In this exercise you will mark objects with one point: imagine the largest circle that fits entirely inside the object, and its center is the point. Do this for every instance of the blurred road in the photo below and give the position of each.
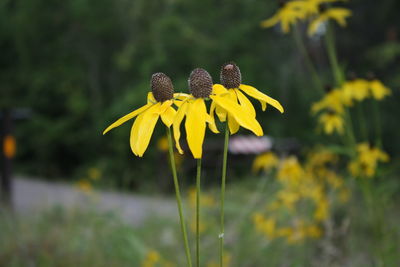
(32, 196)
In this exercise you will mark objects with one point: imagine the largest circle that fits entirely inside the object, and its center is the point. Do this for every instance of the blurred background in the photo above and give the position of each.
(70, 68)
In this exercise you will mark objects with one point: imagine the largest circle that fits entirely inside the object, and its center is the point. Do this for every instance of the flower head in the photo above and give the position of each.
(159, 104)
(332, 122)
(367, 159)
(337, 14)
(378, 90)
(231, 88)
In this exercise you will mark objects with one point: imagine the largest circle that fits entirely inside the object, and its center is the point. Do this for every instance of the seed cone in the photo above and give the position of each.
(200, 83)
(230, 75)
(161, 87)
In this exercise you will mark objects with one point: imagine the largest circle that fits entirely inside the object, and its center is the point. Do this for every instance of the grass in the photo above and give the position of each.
(360, 233)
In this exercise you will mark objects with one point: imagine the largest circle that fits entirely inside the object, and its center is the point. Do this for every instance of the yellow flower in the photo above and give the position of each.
(356, 89)
(378, 90)
(336, 13)
(290, 171)
(367, 160)
(159, 104)
(322, 210)
(194, 108)
(333, 100)
(152, 258)
(232, 89)
(94, 173)
(331, 122)
(288, 14)
(265, 162)
(84, 186)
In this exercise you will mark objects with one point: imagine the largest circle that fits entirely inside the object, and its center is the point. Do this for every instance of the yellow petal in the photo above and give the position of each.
(127, 117)
(221, 113)
(195, 126)
(233, 125)
(168, 116)
(142, 130)
(253, 92)
(219, 89)
(239, 114)
(150, 98)
(180, 114)
(245, 103)
(164, 106)
(211, 120)
(134, 133)
(271, 21)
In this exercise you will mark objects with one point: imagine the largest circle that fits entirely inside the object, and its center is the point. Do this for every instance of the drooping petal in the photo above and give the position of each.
(142, 130)
(195, 126)
(150, 98)
(164, 106)
(168, 116)
(233, 125)
(180, 114)
(253, 92)
(146, 129)
(211, 120)
(219, 89)
(240, 115)
(245, 103)
(127, 117)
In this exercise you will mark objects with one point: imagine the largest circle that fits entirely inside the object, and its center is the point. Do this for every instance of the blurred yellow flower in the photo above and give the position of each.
(162, 144)
(290, 171)
(356, 89)
(231, 88)
(288, 14)
(159, 104)
(151, 259)
(94, 174)
(264, 225)
(84, 186)
(322, 210)
(265, 162)
(333, 100)
(367, 159)
(337, 14)
(378, 90)
(331, 122)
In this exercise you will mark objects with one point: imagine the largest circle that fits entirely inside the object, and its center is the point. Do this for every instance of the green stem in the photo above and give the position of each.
(377, 122)
(223, 178)
(330, 47)
(178, 197)
(339, 79)
(314, 74)
(198, 191)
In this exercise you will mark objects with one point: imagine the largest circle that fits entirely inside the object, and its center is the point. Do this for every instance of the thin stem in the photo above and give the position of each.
(178, 197)
(198, 190)
(331, 49)
(362, 122)
(377, 122)
(223, 178)
(314, 74)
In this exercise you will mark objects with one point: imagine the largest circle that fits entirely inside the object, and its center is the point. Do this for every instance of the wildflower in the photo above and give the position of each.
(84, 186)
(337, 14)
(265, 162)
(264, 225)
(194, 108)
(9, 146)
(333, 100)
(322, 210)
(152, 258)
(159, 104)
(378, 90)
(94, 173)
(290, 171)
(367, 160)
(331, 122)
(288, 14)
(356, 89)
(232, 88)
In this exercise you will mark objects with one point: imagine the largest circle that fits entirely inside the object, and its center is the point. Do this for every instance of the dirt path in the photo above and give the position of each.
(31, 196)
